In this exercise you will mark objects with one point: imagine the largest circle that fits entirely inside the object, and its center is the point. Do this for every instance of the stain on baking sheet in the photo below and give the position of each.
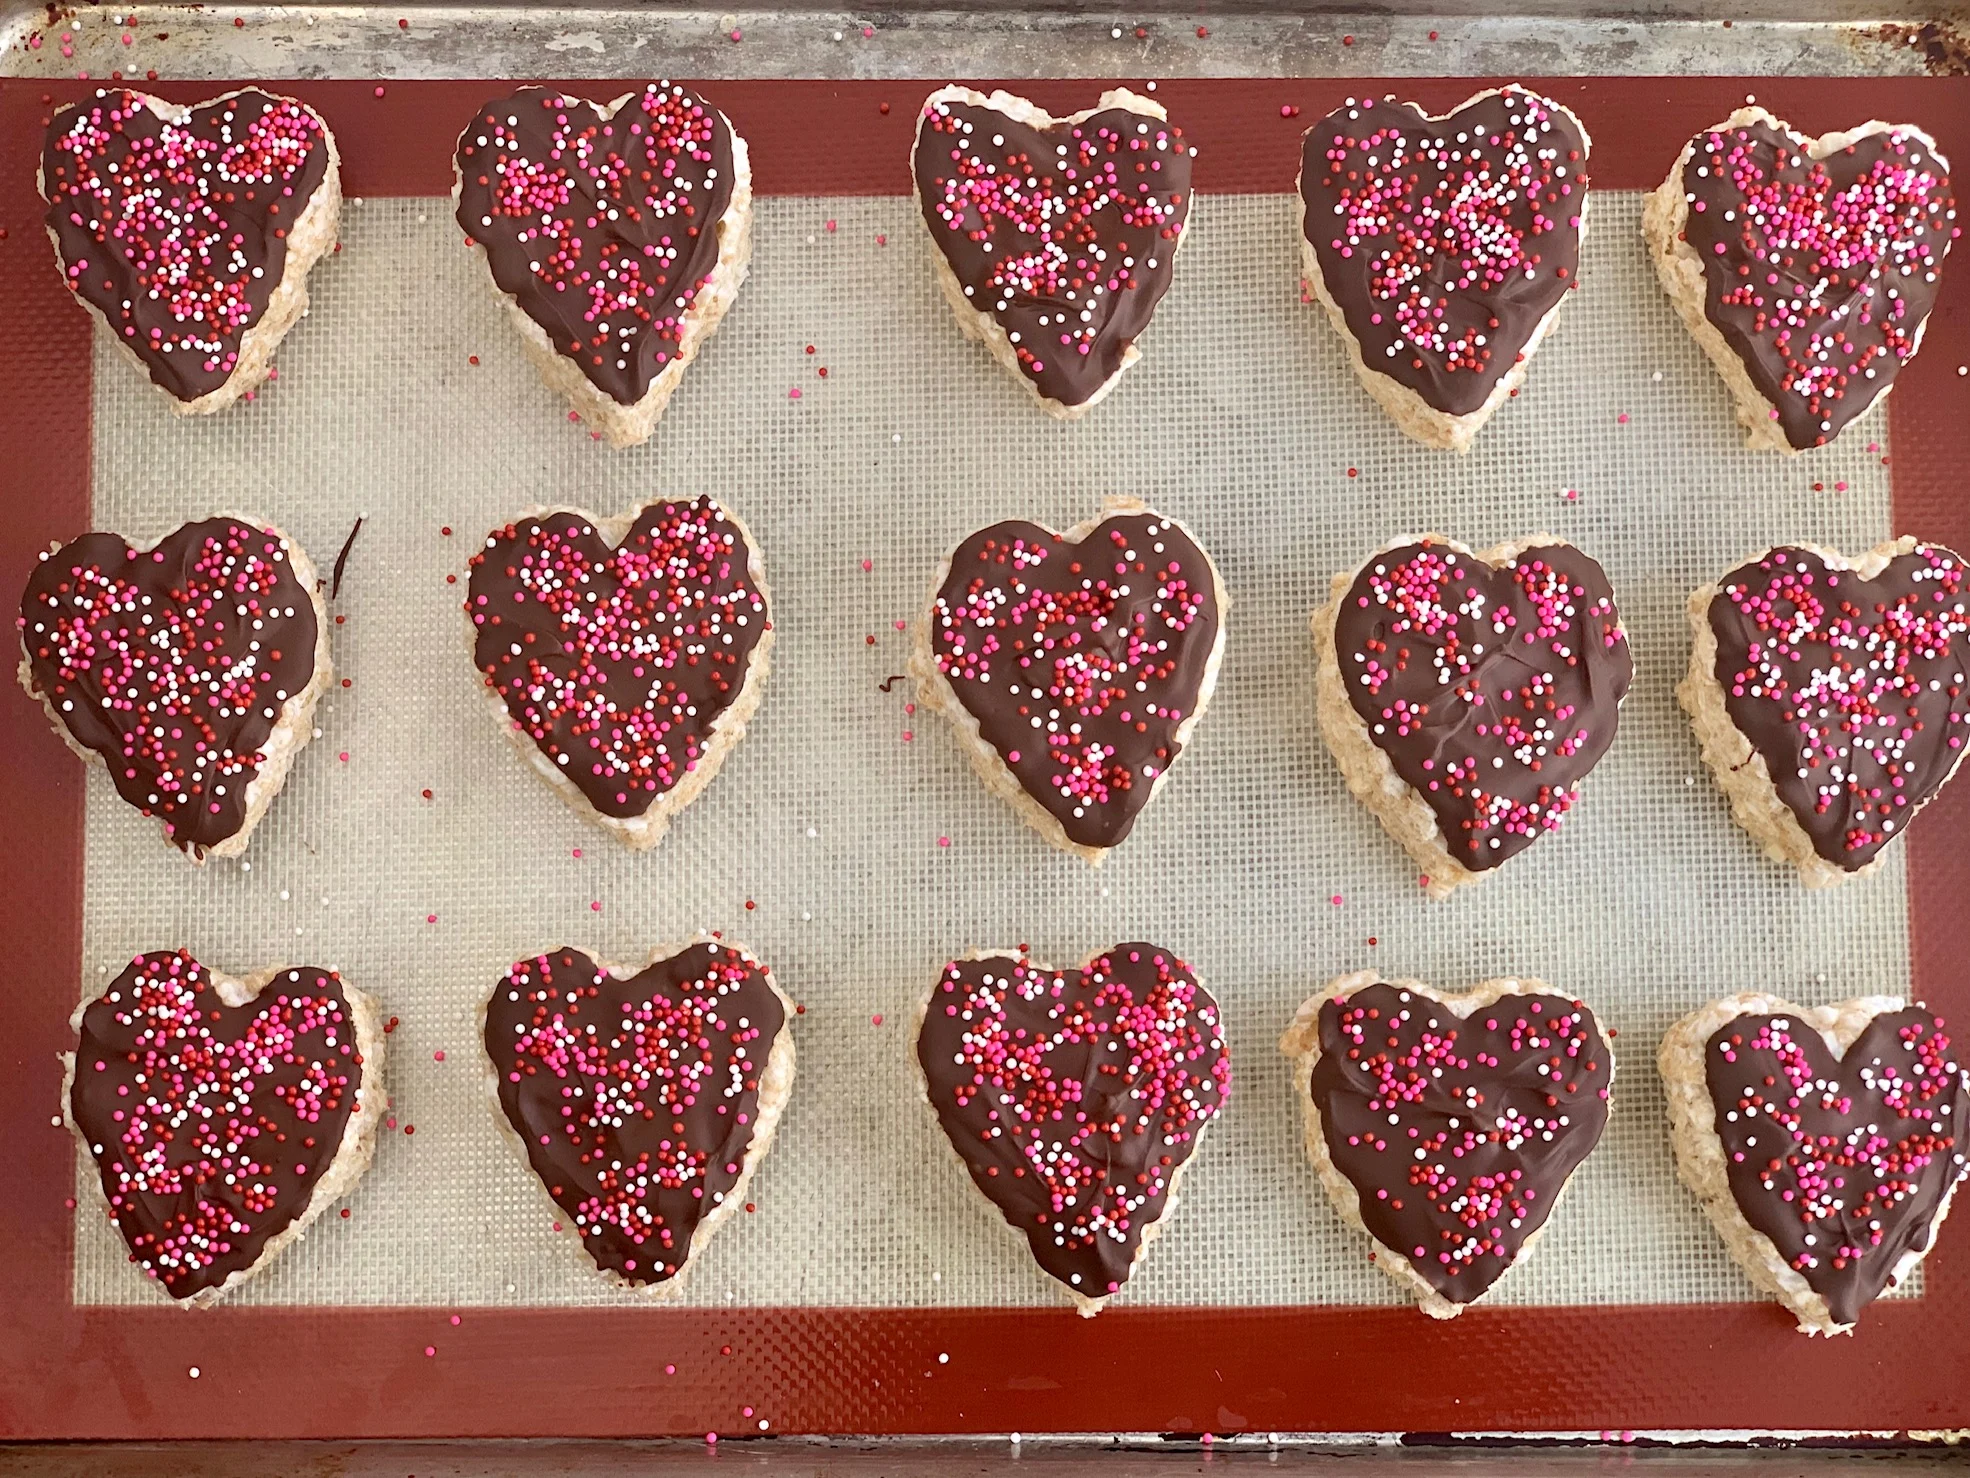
(1943, 44)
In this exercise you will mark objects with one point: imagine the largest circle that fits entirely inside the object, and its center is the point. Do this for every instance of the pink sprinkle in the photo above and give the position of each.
(1622, 419)
(831, 225)
(429, 1350)
(439, 1055)
(736, 33)
(881, 240)
(867, 32)
(899, 625)
(454, 1321)
(379, 92)
(577, 851)
(344, 756)
(596, 906)
(876, 1020)
(943, 841)
(430, 918)
(1285, 110)
(867, 565)
(712, 1437)
(794, 394)
(1336, 900)
(670, 1370)
(908, 735)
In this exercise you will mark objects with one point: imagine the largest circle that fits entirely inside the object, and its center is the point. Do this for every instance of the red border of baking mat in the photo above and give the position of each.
(274, 1372)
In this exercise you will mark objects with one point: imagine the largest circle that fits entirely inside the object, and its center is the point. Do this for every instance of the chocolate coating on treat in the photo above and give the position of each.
(1080, 661)
(173, 664)
(604, 229)
(1853, 690)
(212, 1124)
(1075, 1097)
(1818, 273)
(617, 662)
(177, 232)
(1842, 1162)
(1446, 242)
(637, 1099)
(1065, 236)
(1493, 691)
(1458, 1133)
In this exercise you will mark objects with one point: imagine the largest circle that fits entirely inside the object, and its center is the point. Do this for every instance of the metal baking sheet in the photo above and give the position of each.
(1273, 1361)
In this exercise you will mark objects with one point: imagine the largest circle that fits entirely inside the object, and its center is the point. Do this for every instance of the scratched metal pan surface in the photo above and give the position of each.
(1159, 39)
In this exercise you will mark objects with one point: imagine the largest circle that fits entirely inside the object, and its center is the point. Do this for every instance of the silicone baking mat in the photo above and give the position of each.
(868, 857)
(871, 858)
